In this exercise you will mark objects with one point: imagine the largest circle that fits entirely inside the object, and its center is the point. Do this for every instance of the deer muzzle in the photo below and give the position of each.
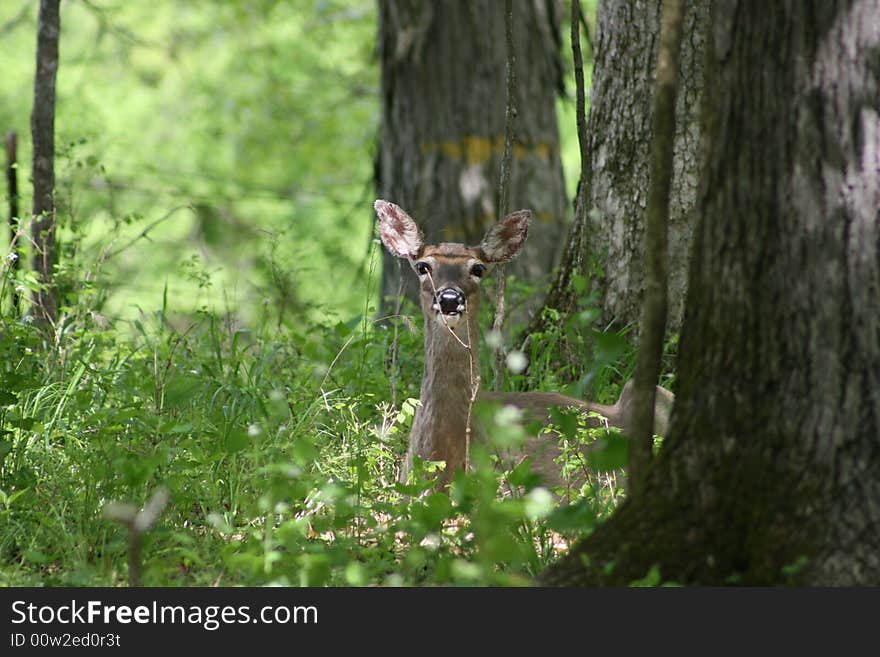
(449, 301)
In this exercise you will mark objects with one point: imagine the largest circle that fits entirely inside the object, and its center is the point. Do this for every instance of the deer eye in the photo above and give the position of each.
(423, 268)
(478, 270)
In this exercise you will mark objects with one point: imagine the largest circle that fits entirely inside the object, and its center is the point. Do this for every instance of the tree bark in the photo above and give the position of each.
(769, 473)
(652, 326)
(43, 170)
(510, 112)
(608, 232)
(443, 119)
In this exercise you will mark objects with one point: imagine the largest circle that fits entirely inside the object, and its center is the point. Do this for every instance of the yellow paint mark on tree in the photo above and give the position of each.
(542, 150)
(478, 150)
(451, 149)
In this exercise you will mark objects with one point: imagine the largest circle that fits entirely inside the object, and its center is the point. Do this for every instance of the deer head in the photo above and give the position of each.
(450, 273)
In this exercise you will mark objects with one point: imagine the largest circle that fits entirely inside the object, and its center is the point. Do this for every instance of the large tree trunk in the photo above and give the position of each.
(43, 171)
(443, 109)
(770, 472)
(610, 223)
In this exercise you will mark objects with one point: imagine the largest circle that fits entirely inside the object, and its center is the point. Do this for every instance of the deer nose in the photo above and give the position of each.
(449, 301)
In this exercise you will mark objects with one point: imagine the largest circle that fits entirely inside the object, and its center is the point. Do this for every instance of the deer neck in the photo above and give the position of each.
(451, 372)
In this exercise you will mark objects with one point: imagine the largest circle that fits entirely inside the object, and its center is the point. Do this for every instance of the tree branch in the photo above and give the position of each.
(144, 234)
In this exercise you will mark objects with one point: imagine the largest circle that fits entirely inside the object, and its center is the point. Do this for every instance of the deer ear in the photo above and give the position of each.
(398, 231)
(505, 239)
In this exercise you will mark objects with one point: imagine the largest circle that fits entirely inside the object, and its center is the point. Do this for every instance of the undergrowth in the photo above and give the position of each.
(279, 447)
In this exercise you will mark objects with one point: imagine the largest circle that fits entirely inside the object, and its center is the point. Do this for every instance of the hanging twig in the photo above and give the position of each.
(473, 369)
(577, 16)
(504, 189)
(653, 319)
(580, 93)
(17, 19)
(395, 346)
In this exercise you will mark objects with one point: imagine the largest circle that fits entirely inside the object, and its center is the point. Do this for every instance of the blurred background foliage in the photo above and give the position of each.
(255, 120)
(238, 134)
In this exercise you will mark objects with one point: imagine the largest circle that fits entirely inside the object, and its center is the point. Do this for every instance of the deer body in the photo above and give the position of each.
(449, 275)
(440, 430)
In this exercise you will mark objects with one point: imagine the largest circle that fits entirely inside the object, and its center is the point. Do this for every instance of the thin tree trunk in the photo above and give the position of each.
(43, 172)
(12, 188)
(769, 473)
(652, 327)
(504, 190)
(442, 135)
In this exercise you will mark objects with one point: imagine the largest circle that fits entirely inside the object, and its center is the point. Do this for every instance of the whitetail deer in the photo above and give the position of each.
(449, 276)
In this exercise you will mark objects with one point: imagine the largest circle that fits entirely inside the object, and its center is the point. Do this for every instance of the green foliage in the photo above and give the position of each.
(238, 132)
(280, 452)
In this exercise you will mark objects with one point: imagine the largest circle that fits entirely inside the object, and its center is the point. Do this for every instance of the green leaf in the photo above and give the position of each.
(7, 398)
(176, 427)
(356, 574)
(315, 569)
(7, 500)
(24, 477)
(609, 347)
(236, 440)
(436, 509)
(612, 453)
(36, 556)
(566, 420)
(13, 381)
(181, 390)
(522, 475)
(651, 578)
(304, 451)
(579, 516)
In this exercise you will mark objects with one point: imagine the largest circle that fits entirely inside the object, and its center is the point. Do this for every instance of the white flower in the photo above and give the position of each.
(493, 339)
(516, 361)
